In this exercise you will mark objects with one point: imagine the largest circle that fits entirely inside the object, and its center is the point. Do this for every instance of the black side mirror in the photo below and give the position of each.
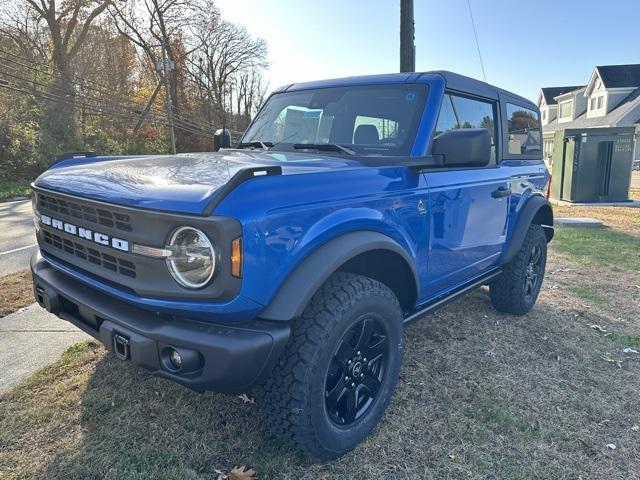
(221, 139)
(464, 147)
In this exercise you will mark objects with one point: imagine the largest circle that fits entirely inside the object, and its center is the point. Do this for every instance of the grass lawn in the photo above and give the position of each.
(601, 246)
(13, 189)
(481, 396)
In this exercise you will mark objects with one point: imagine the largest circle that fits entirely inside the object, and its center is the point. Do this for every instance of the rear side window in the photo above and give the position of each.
(523, 131)
(461, 112)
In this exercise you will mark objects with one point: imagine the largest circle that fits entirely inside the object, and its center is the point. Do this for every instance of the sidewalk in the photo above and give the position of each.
(30, 339)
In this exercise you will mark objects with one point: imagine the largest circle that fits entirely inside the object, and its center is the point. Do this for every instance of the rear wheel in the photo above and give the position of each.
(516, 290)
(338, 373)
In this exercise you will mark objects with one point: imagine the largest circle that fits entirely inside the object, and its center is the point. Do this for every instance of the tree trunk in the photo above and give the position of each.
(59, 118)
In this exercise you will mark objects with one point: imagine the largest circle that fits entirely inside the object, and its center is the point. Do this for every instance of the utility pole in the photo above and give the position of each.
(167, 88)
(407, 37)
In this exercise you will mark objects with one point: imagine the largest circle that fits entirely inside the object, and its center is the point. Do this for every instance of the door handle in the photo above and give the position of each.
(501, 192)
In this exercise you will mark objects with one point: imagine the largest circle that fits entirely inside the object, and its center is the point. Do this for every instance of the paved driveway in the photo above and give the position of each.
(17, 237)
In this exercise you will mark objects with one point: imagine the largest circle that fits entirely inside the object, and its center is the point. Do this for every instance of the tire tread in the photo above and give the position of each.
(287, 387)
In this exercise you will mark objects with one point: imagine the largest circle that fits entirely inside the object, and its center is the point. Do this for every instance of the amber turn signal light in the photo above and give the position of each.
(236, 257)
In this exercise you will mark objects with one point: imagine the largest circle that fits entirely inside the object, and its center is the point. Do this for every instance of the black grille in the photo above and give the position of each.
(110, 262)
(98, 216)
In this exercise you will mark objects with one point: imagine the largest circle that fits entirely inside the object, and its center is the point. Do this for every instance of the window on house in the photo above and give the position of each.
(548, 151)
(460, 112)
(592, 103)
(565, 109)
(600, 102)
(544, 114)
(523, 131)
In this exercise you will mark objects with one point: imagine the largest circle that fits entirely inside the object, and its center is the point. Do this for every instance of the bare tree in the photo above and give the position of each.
(227, 51)
(155, 24)
(91, 64)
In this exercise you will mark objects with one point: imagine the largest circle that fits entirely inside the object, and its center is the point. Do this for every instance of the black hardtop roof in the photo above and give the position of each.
(453, 80)
(461, 83)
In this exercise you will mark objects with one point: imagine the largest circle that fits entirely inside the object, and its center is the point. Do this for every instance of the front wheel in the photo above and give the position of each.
(516, 290)
(337, 374)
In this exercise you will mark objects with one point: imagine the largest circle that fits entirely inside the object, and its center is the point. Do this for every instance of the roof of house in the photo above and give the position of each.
(550, 93)
(620, 76)
(630, 102)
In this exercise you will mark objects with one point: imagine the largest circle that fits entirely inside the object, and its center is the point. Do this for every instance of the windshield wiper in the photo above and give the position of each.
(256, 144)
(334, 147)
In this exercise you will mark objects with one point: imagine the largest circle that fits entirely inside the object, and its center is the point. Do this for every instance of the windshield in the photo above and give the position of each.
(366, 120)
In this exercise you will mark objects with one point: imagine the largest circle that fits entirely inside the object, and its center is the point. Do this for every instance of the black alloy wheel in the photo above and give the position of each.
(532, 273)
(356, 371)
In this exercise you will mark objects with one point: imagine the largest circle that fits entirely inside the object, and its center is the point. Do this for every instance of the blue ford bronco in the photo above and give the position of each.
(291, 263)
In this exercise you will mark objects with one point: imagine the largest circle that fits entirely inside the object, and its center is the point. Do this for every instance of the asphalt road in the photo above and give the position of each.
(17, 237)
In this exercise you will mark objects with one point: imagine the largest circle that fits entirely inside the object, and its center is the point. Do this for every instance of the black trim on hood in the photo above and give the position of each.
(240, 177)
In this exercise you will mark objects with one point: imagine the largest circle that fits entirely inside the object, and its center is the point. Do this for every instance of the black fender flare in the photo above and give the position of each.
(536, 210)
(297, 290)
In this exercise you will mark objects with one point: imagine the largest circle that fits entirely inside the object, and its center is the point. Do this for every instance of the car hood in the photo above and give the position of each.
(184, 183)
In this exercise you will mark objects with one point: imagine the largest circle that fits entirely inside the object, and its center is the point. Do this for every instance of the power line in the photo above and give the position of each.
(95, 104)
(475, 34)
(94, 109)
(105, 90)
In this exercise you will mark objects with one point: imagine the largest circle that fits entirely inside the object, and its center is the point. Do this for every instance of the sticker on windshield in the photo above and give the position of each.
(312, 114)
(409, 97)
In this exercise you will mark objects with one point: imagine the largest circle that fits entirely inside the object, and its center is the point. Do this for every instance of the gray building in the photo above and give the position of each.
(610, 99)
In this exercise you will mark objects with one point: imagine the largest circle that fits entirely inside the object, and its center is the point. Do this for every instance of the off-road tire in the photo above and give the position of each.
(293, 402)
(507, 291)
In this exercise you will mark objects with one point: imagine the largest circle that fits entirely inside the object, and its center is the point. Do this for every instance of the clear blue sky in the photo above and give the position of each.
(525, 45)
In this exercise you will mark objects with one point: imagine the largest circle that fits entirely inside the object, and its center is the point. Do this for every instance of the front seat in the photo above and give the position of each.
(366, 135)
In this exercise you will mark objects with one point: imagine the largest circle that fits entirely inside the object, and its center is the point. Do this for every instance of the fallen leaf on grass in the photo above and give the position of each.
(611, 446)
(245, 398)
(612, 360)
(635, 428)
(239, 473)
(598, 328)
(452, 456)
(629, 350)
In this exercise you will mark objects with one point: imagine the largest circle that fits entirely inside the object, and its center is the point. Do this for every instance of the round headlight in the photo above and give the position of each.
(193, 258)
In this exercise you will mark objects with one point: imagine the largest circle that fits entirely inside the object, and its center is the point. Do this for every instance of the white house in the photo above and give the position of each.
(610, 99)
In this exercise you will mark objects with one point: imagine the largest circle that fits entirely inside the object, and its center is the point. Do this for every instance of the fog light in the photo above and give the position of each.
(176, 359)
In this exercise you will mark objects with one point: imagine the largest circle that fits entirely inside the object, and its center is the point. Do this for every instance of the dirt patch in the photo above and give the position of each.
(481, 396)
(17, 292)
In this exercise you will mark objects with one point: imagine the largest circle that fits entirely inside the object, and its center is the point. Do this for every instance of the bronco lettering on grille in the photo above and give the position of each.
(86, 234)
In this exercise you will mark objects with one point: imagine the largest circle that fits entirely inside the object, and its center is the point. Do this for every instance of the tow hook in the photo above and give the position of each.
(121, 346)
(47, 299)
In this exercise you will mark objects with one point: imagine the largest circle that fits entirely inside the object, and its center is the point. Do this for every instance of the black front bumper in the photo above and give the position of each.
(217, 357)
